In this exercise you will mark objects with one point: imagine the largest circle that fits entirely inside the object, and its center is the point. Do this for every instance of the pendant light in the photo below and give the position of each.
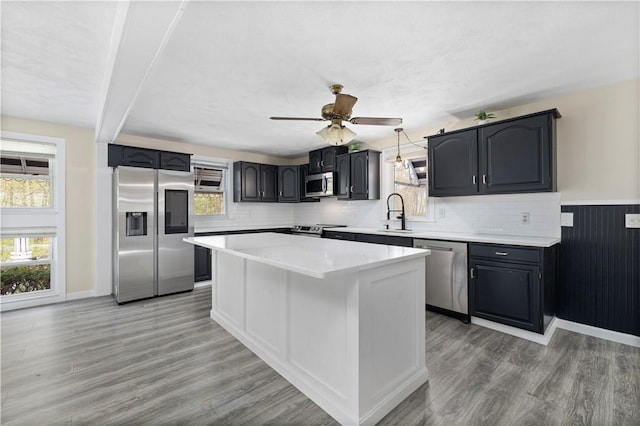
(398, 157)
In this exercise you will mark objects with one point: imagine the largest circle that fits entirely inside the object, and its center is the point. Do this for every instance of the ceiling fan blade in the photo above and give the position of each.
(376, 121)
(343, 104)
(297, 118)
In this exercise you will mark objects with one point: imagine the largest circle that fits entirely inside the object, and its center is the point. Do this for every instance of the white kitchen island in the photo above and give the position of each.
(342, 321)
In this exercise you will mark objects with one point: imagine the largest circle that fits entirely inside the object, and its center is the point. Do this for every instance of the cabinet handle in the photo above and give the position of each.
(322, 163)
(472, 273)
(502, 253)
(281, 193)
(484, 179)
(352, 189)
(474, 179)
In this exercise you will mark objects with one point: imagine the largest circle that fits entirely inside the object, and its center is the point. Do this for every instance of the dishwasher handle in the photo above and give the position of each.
(434, 248)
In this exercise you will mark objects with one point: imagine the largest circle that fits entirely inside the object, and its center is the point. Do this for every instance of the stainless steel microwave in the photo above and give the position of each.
(320, 185)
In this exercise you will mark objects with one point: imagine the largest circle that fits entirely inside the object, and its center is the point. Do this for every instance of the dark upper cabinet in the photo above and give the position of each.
(342, 182)
(269, 181)
(358, 176)
(246, 181)
(453, 164)
(516, 156)
(324, 160)
(254, 182)
(122, 155)
(509, 156)
(175, 161)
(513, 285)
(288, 184)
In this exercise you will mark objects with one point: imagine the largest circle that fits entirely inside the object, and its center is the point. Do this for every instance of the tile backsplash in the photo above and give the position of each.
(483, 214)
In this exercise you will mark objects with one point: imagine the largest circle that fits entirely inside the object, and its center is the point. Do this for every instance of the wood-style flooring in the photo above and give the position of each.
(164, 361)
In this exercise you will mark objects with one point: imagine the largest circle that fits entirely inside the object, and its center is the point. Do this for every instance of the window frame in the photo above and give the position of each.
(41, 221)
(226, 166)
(388, 179)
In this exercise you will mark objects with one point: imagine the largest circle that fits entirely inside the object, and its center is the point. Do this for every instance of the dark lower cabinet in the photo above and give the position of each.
(202, 264)
(336, 235)
(390, 240)
(513, 285)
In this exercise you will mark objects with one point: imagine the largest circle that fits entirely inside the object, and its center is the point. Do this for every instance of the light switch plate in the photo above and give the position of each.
(566, 219)
(632, 220)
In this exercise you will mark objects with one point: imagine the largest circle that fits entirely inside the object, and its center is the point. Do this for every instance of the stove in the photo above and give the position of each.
(312, 230)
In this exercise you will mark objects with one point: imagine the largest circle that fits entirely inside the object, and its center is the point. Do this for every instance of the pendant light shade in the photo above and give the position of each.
(336, 134)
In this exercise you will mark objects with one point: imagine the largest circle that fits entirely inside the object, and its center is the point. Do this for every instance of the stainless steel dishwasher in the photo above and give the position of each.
(446, 280)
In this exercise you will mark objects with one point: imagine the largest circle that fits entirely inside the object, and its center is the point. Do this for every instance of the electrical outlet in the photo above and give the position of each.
(632, 220)
(524, 218)
(442, 213)
(566, 219)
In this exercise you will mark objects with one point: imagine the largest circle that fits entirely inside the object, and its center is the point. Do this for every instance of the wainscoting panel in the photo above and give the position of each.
(600, 268)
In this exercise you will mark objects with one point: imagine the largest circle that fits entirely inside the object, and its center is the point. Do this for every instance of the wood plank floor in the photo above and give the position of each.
(164, 361)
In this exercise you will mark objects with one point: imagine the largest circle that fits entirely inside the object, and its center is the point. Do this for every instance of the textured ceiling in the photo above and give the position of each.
(228, 66)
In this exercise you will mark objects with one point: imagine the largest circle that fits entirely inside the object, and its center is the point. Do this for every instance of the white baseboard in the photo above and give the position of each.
(614, 336)
(542, 339)
(202, 284)
(80, 295)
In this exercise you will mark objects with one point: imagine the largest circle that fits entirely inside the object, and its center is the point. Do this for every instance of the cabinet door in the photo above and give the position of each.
(269, 181)
(515, 156)
(343, 176)
(315, 161)
(251, 190)
(175, 161)
(336, 235)
(288, 184)
(508, 293)
(202, 264)
(389, 240)
(140, 157)
(453, 164)
(329, 155)
(359, 175)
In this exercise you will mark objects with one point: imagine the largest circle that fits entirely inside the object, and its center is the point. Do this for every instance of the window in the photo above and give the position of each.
(410, 181)
(210, 180)
(32, 237)
(26, 264)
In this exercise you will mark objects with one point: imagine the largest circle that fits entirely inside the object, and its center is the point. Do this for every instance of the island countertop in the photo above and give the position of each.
(315, 257)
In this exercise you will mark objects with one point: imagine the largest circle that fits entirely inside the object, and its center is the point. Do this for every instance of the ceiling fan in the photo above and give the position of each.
(337, 112)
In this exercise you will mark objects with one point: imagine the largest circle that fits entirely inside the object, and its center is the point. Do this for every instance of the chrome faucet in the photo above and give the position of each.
(401, 217)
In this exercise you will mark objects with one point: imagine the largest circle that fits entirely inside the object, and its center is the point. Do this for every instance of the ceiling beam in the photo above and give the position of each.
(140, 33)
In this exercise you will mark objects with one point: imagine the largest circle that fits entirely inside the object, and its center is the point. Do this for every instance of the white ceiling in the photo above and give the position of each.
(225, 67)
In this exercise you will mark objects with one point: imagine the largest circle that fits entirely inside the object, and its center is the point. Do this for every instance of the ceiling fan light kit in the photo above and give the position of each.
(339, 111)
(336, 134)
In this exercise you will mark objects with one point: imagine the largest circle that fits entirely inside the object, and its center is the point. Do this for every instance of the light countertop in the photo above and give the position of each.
(516, 240)
(316, 257)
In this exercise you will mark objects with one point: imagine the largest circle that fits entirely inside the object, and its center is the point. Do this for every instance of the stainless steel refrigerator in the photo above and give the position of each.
(153, 212)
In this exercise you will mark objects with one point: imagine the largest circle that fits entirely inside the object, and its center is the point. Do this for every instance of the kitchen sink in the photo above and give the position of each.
(402, 231)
